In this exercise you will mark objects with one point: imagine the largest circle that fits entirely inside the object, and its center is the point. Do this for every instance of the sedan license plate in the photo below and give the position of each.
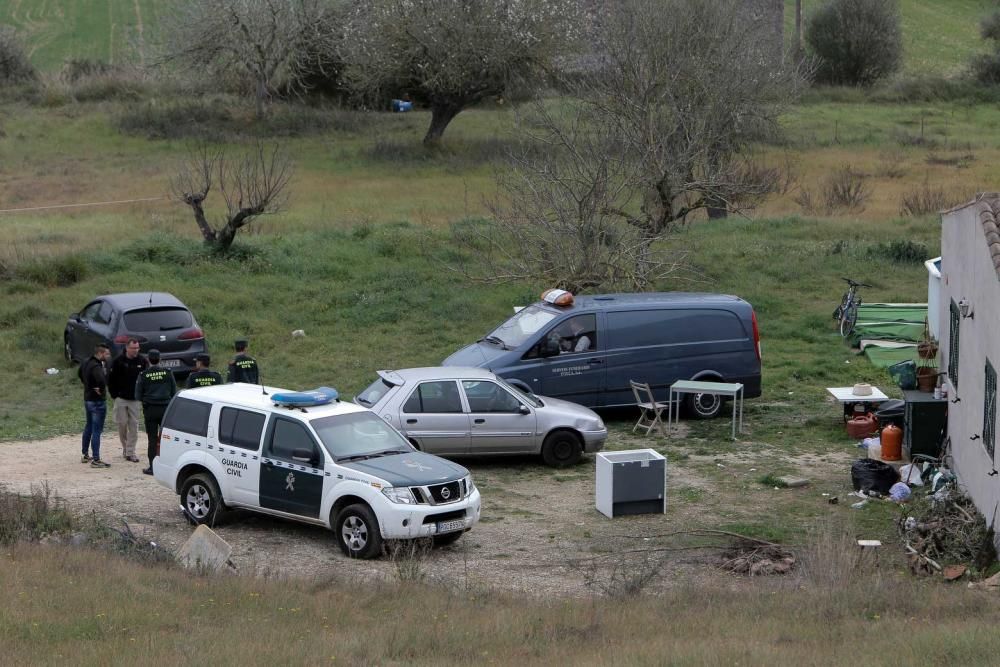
(170, 363)
(450, 526)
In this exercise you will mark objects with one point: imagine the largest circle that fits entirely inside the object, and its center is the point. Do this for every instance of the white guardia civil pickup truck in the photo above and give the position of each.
(308, 457)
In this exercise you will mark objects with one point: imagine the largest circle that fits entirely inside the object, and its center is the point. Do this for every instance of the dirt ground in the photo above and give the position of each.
(540, 532)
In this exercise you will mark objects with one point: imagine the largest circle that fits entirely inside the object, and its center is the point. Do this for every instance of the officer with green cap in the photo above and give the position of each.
(154, 388)
(203, 376)
(243, 367)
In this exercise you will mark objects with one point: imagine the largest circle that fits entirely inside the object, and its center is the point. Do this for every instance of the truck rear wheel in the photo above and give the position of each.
(201, 499)
(358, 532)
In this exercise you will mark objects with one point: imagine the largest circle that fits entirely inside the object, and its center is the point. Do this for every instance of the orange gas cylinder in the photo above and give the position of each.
(862, 427)
(892, 443)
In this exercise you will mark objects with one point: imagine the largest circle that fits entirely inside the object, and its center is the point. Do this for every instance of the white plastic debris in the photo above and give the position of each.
(298, 333)
(52, 371)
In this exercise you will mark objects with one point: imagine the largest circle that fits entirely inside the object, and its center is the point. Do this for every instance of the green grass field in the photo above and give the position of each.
(113, 31)
(939, 36)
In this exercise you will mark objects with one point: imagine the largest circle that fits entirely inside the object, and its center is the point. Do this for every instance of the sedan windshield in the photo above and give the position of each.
(359, 435)
(527, 322)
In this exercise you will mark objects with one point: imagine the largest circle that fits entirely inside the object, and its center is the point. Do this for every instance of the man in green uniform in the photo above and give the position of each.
(203, 376)
(243, 367)
(154, 389)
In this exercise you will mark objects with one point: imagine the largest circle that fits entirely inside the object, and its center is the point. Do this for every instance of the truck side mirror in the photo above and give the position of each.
(523, 409)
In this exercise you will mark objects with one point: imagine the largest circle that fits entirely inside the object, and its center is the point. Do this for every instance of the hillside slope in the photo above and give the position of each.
(940, 35)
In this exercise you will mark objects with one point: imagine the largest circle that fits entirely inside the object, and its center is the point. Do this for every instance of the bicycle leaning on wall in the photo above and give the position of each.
(847, 312)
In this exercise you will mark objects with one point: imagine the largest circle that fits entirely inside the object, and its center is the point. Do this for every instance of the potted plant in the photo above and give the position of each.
(928, 347)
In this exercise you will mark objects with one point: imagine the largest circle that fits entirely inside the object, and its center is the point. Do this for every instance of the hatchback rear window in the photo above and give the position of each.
(157, 319)
(188, 416)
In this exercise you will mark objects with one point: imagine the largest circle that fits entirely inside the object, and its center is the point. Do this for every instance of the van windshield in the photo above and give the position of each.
(515, 331)
(359, 435)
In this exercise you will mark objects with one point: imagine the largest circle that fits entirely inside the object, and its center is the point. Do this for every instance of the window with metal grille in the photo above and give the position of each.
(953, 345)
(990, 409)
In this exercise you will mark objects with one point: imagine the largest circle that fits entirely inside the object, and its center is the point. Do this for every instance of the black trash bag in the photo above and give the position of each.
(872, 475)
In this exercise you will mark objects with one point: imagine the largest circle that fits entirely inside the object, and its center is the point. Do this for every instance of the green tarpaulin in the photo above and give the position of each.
(902, 322)
(891, 321)
(883, 357)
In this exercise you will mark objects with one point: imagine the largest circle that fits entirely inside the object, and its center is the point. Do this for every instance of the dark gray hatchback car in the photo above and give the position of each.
(157, 319)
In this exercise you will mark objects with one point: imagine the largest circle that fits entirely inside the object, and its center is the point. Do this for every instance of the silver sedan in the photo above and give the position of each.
(453, 411)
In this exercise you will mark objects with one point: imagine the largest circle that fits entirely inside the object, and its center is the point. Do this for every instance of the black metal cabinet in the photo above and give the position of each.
(925, 420)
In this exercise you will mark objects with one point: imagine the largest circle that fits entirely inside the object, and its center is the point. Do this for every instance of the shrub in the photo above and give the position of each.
(986, 66)
(32, 516)
(924, 200)
(900, 252)
(846, 189)
(53, 271)
(15, 67)
(857, 42)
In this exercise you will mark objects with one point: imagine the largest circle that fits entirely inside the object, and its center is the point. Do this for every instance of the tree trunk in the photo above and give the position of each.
(441, 115)
(797, 46)
(225, 238)
(716, 208)
(261, 97)
(195, 202)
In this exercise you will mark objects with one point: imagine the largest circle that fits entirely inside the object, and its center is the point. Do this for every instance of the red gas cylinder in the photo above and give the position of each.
(892, 443)
(862, 427)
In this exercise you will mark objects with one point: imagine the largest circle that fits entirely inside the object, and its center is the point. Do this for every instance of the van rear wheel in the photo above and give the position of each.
(703, 406)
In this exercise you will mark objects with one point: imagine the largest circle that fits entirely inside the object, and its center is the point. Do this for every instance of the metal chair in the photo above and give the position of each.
(650, 411)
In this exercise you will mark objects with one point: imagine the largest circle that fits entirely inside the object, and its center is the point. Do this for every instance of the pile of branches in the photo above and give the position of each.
(949, 530)
(737, 553)
(757, 558)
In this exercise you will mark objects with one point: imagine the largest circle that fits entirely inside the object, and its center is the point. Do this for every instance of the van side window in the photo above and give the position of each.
(286, 437)
(188, 416)
(437, 397)
(638, 328)
(577, 334)
(241, 428)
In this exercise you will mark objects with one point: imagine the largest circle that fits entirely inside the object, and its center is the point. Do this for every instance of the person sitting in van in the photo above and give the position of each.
(573, 335)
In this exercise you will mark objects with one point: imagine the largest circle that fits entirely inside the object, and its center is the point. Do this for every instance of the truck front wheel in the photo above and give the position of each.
(358, 532)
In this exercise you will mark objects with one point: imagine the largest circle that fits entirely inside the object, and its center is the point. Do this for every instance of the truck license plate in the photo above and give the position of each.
(450, 526)
(170, 363)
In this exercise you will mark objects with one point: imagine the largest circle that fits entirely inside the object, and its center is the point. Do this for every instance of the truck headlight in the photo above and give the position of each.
(400, 495)
(469, 486)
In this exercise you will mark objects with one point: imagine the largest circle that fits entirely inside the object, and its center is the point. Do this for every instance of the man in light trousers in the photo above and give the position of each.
(124, 372)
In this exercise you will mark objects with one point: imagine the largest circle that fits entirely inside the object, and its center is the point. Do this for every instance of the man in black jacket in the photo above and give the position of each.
(95, 390)
(243, 367)
(122, 376)
(154, 389)
(203, 375)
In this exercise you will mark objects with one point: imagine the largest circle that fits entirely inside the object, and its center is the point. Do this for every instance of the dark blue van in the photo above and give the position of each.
(588, 351)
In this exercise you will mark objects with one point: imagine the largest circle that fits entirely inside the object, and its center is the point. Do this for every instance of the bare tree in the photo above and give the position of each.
(556, 217)
(665, 130)
(251, 184)
(451, 54)
(264, 43)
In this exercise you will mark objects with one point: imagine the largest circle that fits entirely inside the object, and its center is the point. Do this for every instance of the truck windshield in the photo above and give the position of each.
(359, 435)
(527, 322)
